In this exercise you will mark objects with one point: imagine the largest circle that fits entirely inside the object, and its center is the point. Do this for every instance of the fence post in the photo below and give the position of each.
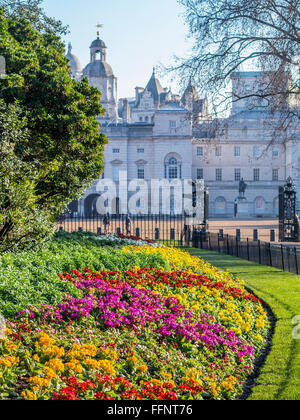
(99, 231)
(282, 258)
(296, 261)
(248, 249)
(259, 252)
(227, 244)
(271, 259)
(219, 247)
(137, 232)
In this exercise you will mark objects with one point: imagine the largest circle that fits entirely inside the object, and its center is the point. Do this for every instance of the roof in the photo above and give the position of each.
(98, 69)
(155, 87)
(190, 91)
(98, 43)
(74, 61)
(172, 106)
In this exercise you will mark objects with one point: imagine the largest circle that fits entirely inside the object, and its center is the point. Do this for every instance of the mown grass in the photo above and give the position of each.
(279, 378)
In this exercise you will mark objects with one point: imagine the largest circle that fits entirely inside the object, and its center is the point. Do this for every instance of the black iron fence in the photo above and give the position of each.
(173, 230)
(284, 257)
(165, 228)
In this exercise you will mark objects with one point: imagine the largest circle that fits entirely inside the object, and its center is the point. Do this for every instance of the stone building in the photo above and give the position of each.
(161, 135)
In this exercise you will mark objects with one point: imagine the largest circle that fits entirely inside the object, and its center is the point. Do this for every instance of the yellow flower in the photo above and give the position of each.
(36, 358)
(9, 361)
(132, 360)
(142, 368)
(40, 382)
(166, 375)
(54, 352)
(49, 373)
(229, 383)
(45, 340)
(56, 365)
(29, 396)
(74, 365)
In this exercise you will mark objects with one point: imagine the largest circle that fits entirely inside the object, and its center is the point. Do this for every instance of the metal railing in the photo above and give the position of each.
(284, 257)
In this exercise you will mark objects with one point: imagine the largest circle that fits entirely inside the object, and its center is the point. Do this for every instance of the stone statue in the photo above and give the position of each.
(2, 67)
(242, 188)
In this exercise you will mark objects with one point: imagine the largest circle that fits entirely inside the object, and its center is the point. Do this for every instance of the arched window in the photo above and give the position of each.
(259, 206)
(220, 205)
(173, 167)
(259, 203)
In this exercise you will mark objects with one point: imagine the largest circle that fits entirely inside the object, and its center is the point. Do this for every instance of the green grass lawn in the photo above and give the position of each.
(280, 376)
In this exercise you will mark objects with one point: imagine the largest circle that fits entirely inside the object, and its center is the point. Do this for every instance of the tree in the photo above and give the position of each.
(63, 137)
(255, 34)
(31, 10)
(22, 223)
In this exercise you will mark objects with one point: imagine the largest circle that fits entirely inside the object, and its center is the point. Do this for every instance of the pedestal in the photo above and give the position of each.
(242, 209)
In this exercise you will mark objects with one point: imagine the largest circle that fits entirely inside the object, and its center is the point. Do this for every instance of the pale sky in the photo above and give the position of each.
(139, 34)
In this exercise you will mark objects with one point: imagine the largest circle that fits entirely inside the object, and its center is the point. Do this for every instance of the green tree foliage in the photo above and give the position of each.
(63, 139)
(22, 222)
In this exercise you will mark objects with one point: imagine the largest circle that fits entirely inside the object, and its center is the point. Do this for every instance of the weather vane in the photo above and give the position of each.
(99, 26)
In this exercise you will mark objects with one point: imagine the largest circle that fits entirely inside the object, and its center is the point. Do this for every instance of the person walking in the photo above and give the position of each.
(128, 224)
(106, 222)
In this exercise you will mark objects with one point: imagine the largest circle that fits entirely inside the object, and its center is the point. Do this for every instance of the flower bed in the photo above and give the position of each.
(145, 333)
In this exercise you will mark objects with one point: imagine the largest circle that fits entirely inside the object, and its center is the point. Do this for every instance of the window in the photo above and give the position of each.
(219, 174)
(218, 151)
(256, 174)
(200, 173)
(140, 151)
(255, 151)
(173, 168)
(275, 152)
(237, 175)
(141, 119)
(141, 173)
(115, 151)
(199, 151)
(172, 124)
(275, 175)
(245, 131)
(220, 206)
(220, 203)
(237, 151)
(259, 203)
(147, 119)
